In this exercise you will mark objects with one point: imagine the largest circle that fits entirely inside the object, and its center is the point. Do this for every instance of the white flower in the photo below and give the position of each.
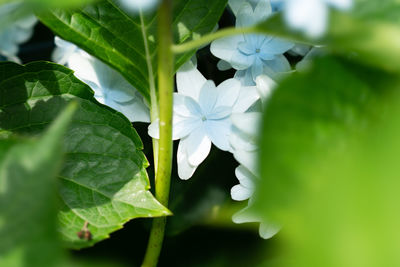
(63, 51)
(265, 85)
(243, 139)
(252, 55)
(311, 16)
(16, 33)
(267, 228)
(109, 86)
(245, 189)
(202, 116)
(139, 5)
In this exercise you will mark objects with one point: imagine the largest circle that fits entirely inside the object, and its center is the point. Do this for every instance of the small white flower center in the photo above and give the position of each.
(258, 50)
(203, 118)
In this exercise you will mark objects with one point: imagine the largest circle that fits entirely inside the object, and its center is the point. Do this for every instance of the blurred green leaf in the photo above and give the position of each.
(47, 3)
(329, 166)
(103, 180)
(28, 209)
(308, 114)
(347, 215)
(128, 43)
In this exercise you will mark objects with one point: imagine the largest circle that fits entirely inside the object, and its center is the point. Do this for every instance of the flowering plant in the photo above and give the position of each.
(285, 112)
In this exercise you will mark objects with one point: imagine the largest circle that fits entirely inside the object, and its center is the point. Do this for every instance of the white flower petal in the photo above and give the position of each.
(248, 95)
(224, 48)
(185, 169)
(276, 46)
(228, 92)
(121, 95)
(268, 230)
(223, 65)
(248, 123)
(309, 16)
(265, 85)
(247, 159)
(183, 126)
(241, 142)
(241, 61)
(245, 216)
(84, 68)
(189, 80)
(257, 68)
(186, 106)
(245, 177)
(240, 193)
(245, 77)
(219, 113)
(198, 146)
(235, 5)
(263, 10)
(139, 5)
(208, 97)
(154, 129)
(279, 64)
(218, 131)
(135, 110)
(245, 16)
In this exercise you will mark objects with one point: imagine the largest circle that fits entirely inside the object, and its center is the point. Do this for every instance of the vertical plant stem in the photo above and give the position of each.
(152, 87)
(165, 91)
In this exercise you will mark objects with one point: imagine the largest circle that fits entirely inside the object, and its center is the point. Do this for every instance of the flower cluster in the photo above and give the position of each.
(244, 142)
(202, 114)
(251, 54)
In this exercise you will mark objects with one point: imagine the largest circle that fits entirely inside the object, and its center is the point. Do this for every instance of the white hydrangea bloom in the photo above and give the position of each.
(16, 33)
(202, 116)
(311, 16)
(243, 140)
(109, 86)
(251, 54)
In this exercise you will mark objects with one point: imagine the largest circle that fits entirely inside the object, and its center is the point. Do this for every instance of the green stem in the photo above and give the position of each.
(208, 38)
(152, 87)
(164, 166)
(273, 26)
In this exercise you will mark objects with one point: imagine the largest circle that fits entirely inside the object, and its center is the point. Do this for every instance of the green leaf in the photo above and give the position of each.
(47, 3)
(103, 180)
(128, 43)
(28, 212)
(308, 115)
(344, 207)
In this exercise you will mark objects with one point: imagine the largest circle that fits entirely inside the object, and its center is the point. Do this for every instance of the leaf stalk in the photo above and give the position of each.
(165, 100)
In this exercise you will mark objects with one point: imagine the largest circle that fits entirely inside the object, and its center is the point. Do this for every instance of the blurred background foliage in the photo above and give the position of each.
(329, 166)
